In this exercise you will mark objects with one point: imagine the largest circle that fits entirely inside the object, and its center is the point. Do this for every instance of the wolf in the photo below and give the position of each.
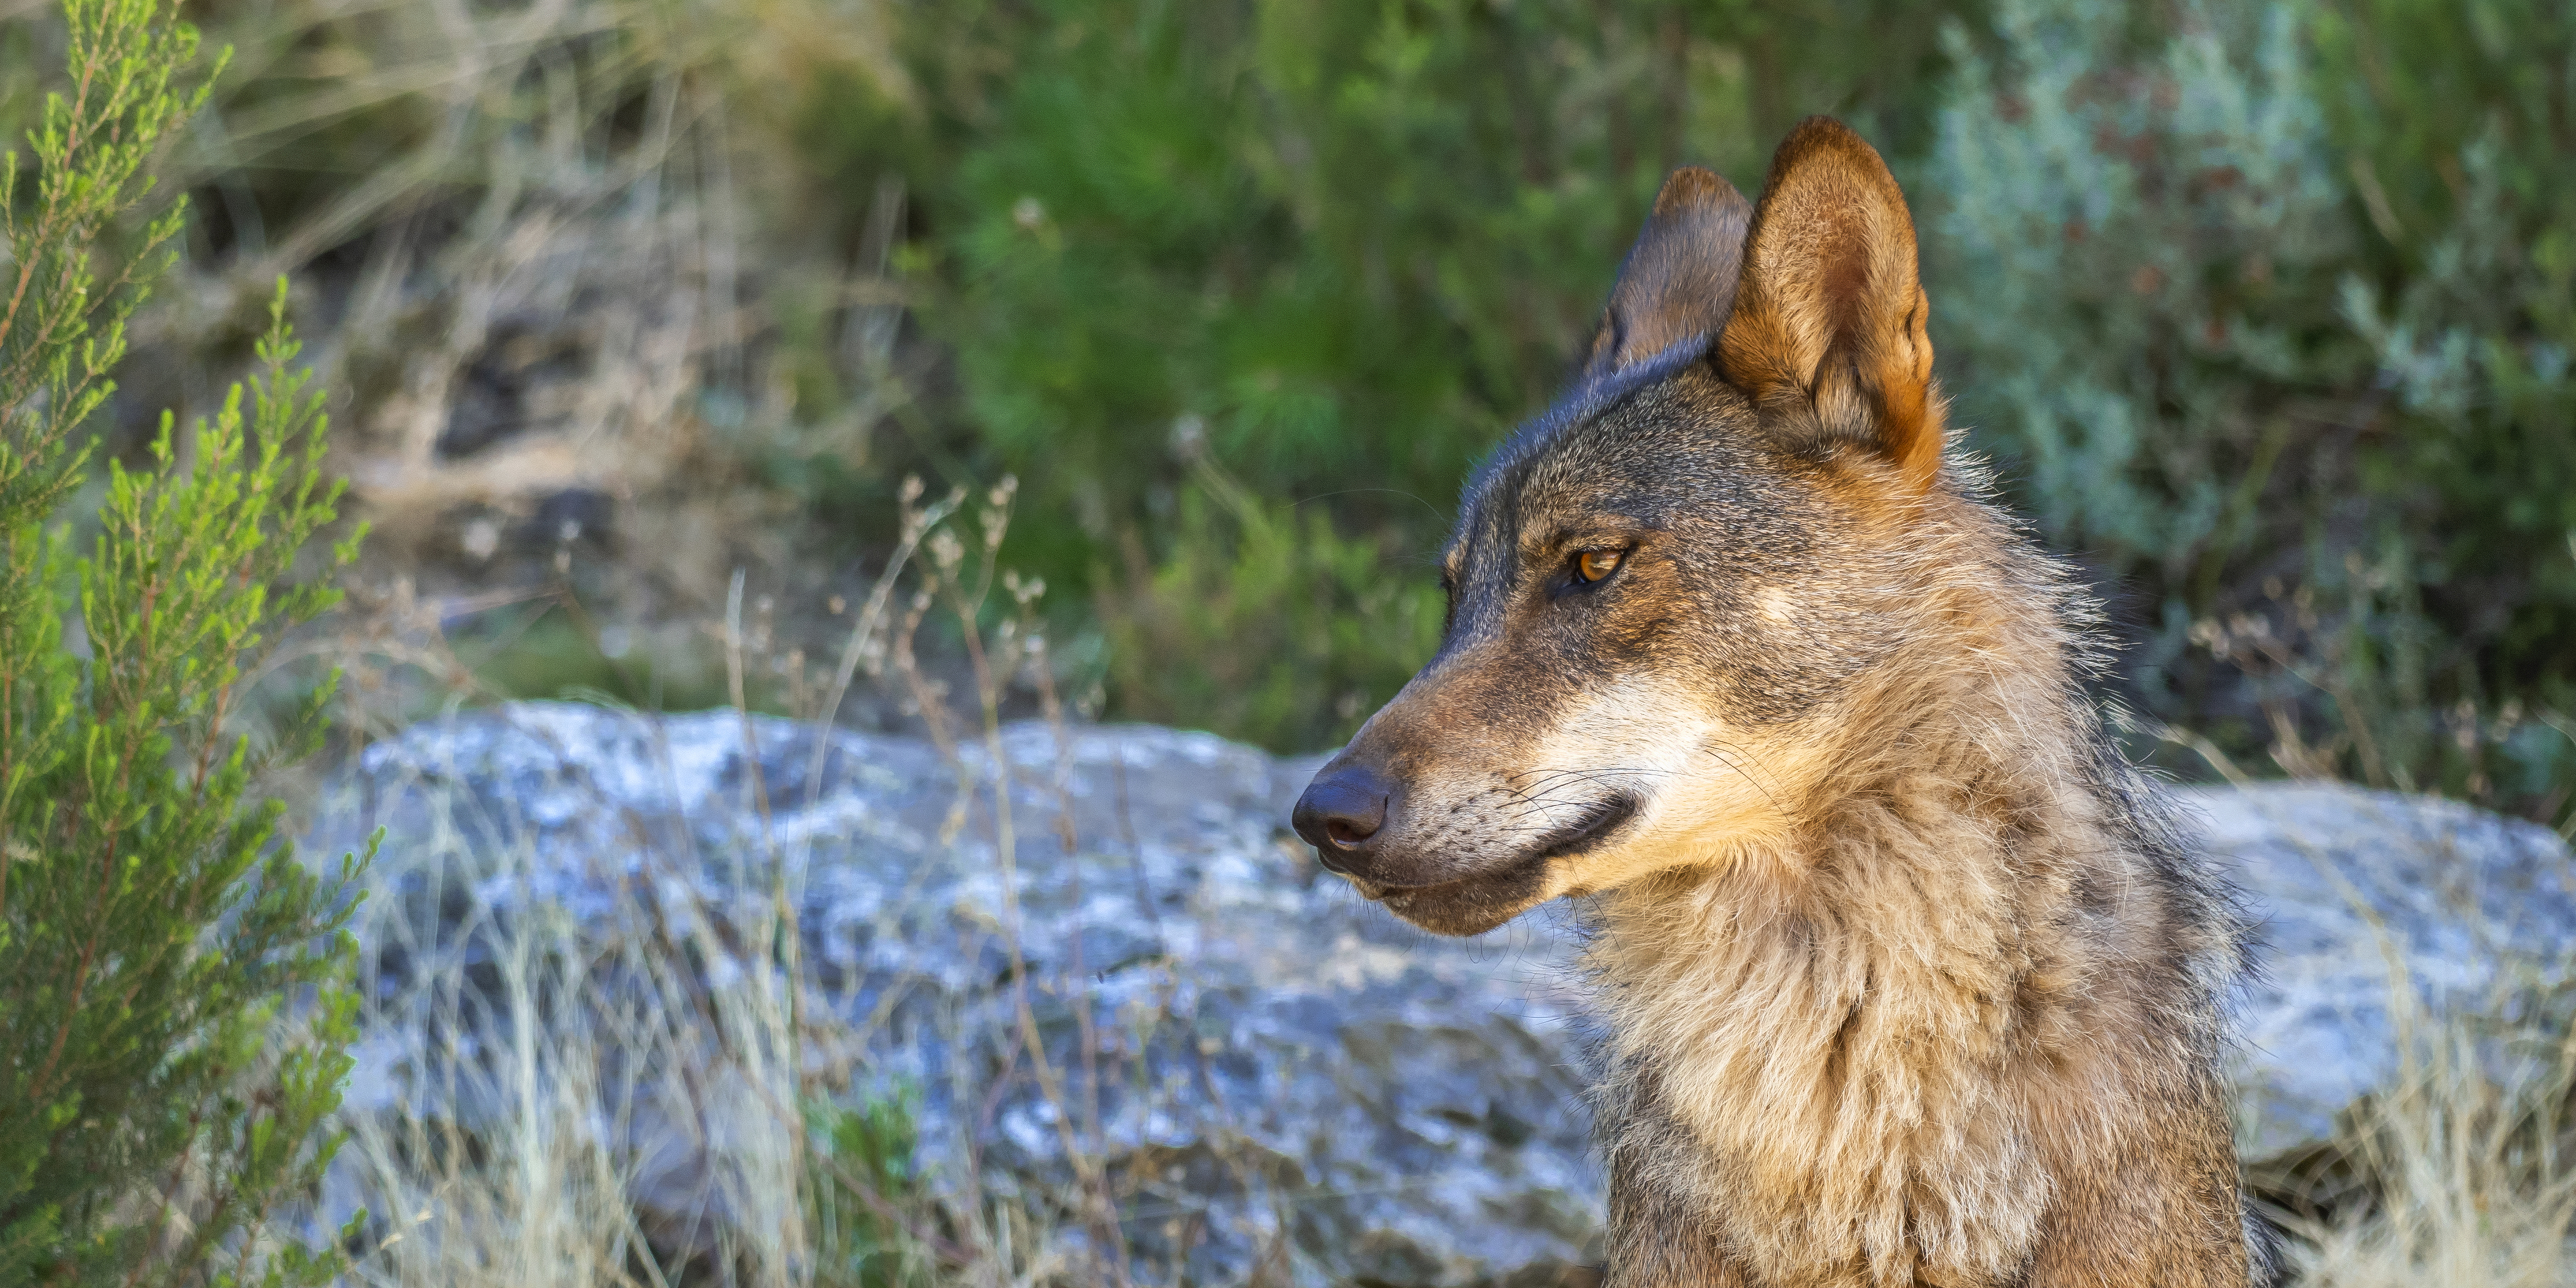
(1906, 976)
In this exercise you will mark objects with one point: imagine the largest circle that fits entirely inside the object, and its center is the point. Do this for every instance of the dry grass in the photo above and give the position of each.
(2463, 1174)
(636, 1094)
(567, 256)
(556, 268)
(530, 1046)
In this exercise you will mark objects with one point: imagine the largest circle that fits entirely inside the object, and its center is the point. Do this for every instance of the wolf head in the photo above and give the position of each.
(1666, 592)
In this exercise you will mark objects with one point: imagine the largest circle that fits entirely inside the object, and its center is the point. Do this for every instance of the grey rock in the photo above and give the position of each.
(2377, 916)
(1279, 1077)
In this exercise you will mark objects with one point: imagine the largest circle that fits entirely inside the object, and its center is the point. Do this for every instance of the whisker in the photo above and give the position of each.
(1726, 754)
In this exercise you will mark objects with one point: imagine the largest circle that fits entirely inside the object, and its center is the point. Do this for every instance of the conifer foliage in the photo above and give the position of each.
(174, 1005)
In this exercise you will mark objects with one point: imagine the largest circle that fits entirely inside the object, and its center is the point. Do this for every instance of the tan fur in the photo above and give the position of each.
(1893, 1019)
(1906, 980)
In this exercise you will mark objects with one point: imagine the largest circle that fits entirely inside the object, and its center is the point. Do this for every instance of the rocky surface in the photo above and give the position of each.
(2354, 892)
(1279, 1077)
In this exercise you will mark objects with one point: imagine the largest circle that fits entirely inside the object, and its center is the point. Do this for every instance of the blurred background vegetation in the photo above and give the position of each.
(2262, 310)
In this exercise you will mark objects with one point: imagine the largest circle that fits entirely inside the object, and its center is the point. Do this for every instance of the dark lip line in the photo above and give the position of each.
(1597, 823)
(1594, 826)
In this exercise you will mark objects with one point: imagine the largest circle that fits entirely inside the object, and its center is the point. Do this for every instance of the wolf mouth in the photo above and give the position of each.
(1590, 828)
(1583, 832)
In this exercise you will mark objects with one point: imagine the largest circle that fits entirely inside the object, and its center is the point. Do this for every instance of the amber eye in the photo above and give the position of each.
(1593, 565)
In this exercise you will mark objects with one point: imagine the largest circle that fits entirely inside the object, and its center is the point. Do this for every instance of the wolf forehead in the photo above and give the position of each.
(1667, 447)
(1746, 582)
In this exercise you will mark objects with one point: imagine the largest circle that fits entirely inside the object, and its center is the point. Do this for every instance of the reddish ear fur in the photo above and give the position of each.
(1679, 280)
(1827, 333)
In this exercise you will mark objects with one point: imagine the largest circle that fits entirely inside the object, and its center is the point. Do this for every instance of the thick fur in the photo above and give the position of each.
(1908, 979)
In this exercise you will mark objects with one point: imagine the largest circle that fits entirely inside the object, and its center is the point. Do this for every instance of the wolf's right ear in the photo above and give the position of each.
(1679, 279)
(1828, 334)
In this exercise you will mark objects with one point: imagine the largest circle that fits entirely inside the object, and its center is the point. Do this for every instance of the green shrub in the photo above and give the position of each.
(1267, 624)
(2455, 124)
(174, 1006)
(861, 1185)
(2312, 429)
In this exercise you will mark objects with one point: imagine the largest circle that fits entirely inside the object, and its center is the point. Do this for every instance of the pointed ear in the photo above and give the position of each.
(1828, 333)
(1679, 279)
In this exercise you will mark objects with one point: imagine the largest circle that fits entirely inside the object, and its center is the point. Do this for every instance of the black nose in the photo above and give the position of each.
(1340, 812)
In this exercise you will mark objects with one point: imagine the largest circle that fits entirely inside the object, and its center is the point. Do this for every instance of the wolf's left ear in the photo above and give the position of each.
(1679, 279)
(1828, 333)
